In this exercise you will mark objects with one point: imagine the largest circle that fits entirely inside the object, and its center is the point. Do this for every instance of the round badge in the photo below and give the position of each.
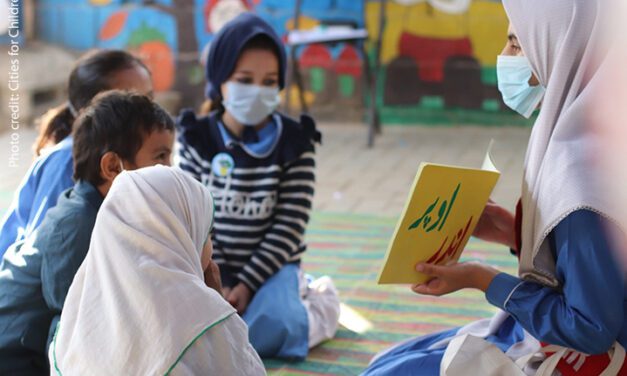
(222, 164)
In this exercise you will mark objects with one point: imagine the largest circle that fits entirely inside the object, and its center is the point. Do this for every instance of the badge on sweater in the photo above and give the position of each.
(222, 164)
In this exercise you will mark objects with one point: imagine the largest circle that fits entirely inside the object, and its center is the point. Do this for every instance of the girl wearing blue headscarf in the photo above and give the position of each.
(259, 165)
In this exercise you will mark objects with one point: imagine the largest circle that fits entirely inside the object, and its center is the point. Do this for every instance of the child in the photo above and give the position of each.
(139, 304)
(118, 131)
(570, 293)
(51, 173)
(259, 165)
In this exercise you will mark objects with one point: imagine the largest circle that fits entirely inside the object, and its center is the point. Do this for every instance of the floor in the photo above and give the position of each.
(352, 178)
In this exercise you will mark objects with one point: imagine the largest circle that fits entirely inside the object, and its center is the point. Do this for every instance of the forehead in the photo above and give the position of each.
(258, 59)
(158, 138)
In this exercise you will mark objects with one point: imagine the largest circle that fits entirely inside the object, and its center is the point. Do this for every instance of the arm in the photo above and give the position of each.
(44, 182)
(63, 248)
(222, 350)
(496, 225)
(187, 159)
(16, 219)
(284, 238)
(55, 177)
(587, 314)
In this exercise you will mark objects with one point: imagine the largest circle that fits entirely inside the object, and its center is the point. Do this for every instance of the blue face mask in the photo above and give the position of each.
(513, 73)
(250, 104)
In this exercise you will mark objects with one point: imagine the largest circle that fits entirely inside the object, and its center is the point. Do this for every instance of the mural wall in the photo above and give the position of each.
(438, 56)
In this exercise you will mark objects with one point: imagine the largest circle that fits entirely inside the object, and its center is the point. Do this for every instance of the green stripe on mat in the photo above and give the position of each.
(350, 248)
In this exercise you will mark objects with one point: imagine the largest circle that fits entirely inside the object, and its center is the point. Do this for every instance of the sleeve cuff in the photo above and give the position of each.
(248, 281)
(501, 289)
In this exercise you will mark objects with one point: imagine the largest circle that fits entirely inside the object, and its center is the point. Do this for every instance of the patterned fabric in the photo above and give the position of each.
(262, 204)
(349, 248)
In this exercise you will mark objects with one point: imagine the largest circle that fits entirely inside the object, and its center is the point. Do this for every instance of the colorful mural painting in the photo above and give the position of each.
(438, 56)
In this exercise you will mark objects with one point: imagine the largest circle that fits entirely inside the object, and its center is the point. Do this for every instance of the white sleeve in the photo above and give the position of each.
(222, 350)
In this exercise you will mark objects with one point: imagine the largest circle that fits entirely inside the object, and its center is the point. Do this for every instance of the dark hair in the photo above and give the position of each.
(116, 121)
(258, 42)
(91, 75)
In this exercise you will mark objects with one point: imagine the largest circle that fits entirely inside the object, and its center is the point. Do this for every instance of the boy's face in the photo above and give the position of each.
(156, 149)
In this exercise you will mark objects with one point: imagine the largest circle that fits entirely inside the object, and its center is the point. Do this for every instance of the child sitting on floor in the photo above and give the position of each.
(118, 131)
(51, 173)
(259, 165)
(146, 300)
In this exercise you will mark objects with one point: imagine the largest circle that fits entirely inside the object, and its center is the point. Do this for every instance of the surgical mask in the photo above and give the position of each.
(250, 104)
(513, 74)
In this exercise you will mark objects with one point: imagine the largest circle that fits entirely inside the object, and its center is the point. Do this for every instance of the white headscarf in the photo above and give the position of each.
(139, 298)
(559, 37)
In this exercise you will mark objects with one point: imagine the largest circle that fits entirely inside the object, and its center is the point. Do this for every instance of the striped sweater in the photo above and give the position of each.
(262, 204)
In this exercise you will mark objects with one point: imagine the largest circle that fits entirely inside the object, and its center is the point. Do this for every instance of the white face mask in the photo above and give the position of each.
(250, 104)
(513, 74)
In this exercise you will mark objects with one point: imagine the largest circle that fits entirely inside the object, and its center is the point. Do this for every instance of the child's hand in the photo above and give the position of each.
(450, 278)
(226, 291)
(239, 297)
(496, 225)
(212, 277)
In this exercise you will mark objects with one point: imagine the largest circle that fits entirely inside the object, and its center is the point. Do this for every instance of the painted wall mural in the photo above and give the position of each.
(438, 56)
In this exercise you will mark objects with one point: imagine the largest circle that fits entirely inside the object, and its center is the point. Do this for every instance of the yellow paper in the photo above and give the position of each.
(441, 213)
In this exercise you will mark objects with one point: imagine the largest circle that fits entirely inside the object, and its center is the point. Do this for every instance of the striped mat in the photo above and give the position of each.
(349, 248)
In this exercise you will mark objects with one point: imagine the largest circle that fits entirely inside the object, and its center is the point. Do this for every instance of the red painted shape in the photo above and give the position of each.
(316, 55)
(159, 59)
(349, 62)
(454, 249)
(114, 25)
(431, 53)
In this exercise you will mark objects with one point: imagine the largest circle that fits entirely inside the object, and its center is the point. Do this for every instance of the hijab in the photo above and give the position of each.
(560, 39)
(139, 299)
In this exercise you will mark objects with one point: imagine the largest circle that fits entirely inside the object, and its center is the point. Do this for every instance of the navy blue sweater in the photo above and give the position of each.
(262, 204)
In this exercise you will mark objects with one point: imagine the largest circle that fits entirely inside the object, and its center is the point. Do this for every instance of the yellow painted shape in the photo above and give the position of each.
(100, 2)
(418, 19)
(294, 97)
(484, 23)
(451, 214)
(304, 23)
(487, 27)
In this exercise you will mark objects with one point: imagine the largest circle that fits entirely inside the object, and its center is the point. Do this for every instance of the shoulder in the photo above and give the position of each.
(72, 215)
(303, 128)
(198, 133)
(188, 122)
(582, 220)
(58, 157)
(581, 232)
(298, 136)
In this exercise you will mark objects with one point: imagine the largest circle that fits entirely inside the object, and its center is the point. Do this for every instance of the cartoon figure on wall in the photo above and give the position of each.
(332, 73)
(441, 51)
(437, 55)
(165, 34)
(219, 12)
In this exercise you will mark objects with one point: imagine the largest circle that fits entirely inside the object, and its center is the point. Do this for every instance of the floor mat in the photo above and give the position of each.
(350, 249)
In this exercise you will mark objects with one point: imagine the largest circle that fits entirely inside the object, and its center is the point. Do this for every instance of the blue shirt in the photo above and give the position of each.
(50, 175)
(35, 276)
(588, 312)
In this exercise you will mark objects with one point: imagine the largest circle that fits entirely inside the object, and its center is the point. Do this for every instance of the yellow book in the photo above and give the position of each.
(440, 215)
